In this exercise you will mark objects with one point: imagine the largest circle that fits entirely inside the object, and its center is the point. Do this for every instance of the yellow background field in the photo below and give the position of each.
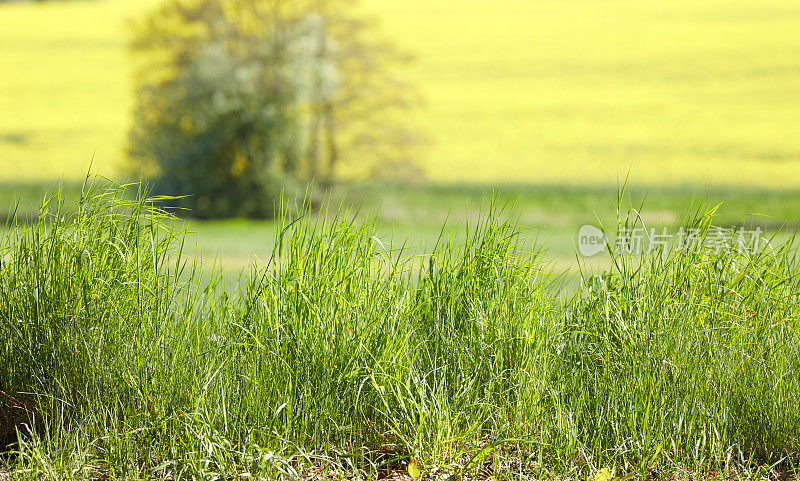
(551, 91)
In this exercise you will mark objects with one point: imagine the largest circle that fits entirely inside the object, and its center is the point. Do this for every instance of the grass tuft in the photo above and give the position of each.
(346, 355)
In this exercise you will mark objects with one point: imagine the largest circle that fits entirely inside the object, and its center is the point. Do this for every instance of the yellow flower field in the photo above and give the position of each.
(515, 90)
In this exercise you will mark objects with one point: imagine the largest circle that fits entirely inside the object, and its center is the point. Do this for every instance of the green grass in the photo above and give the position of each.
(549, 214)
(557, 92)
(342, 355)
(414, 215)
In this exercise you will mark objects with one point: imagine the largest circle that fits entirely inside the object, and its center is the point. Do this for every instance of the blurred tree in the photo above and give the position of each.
(240, 99)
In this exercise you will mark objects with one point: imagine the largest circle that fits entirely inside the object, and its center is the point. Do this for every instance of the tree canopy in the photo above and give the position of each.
(238, 100)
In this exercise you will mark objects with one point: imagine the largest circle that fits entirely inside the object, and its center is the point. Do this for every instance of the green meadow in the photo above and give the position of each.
(344, 355)
(443, 320)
